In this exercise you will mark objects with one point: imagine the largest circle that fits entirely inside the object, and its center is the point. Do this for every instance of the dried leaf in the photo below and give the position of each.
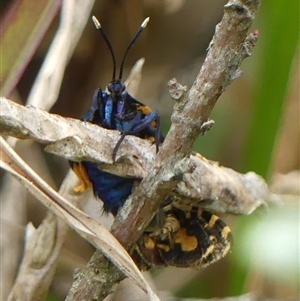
(92, 231)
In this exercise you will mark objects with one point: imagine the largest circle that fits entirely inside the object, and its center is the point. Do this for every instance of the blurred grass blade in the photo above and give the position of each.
(22, 29)
(278, 25)
(275, 64)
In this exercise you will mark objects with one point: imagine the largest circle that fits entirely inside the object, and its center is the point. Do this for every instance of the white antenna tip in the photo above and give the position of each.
(96, 22)
(145, 22)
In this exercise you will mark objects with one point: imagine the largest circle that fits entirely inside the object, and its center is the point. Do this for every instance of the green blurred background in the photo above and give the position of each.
(257, 118)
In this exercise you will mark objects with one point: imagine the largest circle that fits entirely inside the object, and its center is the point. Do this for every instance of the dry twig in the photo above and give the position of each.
(216, 188)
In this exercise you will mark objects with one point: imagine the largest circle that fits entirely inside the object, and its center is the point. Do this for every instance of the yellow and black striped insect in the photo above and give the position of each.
(188, 237)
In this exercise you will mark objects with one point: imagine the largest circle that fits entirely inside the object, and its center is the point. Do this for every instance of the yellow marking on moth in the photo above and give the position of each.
(144, 109)
(212, 220)
(81, 173)
(208, 251)
(151, 138)
(213, 238)
(149, 242)
(188, 243)
(170, 226)
(166, 248)
(225, 232)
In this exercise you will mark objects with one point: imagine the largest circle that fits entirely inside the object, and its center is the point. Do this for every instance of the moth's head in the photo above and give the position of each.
(116, 87)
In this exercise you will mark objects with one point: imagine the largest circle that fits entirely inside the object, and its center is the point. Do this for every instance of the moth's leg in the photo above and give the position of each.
(96, 105)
